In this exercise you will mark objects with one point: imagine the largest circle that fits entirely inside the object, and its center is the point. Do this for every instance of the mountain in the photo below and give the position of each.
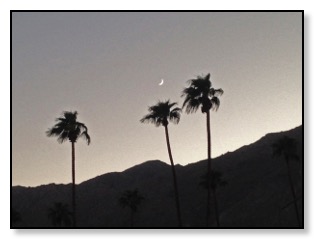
(257, 193)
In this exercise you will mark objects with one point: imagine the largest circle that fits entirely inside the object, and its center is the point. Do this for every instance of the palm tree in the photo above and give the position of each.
(161, 114)
(131, 199)
(200, 93)
(68, 128)
(60, 215)
(216, 180)
(15, 217)
(287, 147)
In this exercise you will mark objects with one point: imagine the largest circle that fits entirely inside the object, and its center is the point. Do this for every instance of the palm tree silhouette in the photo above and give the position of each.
(68, 128)
(60, 215)
(15, 217)
(287, 147)
(215, 180)
(200, 93)
(161, 114)
(131, 199)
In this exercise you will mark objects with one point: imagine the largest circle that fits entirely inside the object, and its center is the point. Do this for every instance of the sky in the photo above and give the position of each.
(108, 65)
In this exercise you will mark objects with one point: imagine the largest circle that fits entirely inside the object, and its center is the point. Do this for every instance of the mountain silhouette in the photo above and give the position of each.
(257, 193)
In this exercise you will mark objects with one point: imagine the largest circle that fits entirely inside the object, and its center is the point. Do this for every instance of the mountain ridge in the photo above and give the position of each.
(254, 179)
(179, 165)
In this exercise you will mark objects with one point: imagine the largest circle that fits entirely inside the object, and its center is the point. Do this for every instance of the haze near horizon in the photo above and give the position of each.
(108, 66)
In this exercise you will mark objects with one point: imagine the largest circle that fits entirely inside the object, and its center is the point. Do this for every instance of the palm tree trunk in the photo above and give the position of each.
(208, 164)
(293, 192)
(174, 178)
(73, 185)
(132, 218)
(216, 208)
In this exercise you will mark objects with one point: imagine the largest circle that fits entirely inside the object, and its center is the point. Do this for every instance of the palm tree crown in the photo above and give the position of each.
(69, 128)
(131, 199)
(216, 179)
(200, 92)
(285, 146)
(60, 214)
(161, 113)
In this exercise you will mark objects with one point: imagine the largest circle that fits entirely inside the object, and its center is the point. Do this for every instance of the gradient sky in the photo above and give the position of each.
(107, 66)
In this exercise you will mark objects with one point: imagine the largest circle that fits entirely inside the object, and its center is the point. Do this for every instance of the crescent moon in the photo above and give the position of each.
(162, 82)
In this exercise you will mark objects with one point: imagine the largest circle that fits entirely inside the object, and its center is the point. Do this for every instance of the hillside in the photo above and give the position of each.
(257, 194)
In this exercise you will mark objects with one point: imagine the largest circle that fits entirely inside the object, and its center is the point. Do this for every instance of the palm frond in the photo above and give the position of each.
(55, 131)
(175, 115)
(177, 109)
(206, 78)
(63, 137)
(170, 105)
(192, 105)
(85, 136)
(191, 92)
(215, 103)
(150, 118)
(83, 132)
(215, 92)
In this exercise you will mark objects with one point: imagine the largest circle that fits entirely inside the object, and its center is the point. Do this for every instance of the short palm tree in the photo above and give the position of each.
(131, 199)
(201, 93)
(161, 114)
(286, 147)
(68, 128)
(216, 179)
(15, 217)
(60, 215)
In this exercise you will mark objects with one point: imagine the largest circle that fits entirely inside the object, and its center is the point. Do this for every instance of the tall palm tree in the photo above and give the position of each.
(161, 114)
(68, 128)
(286, 147)
(131, 199)
(60, 215)
(201, 93)
(216, 180)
